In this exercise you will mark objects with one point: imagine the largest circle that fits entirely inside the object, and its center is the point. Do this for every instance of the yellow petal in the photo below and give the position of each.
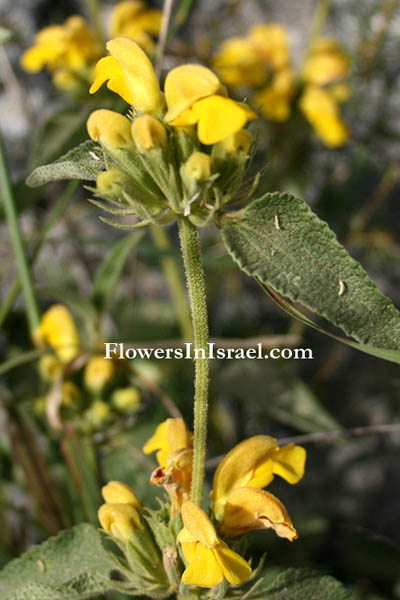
(238, 467)
(184, 537)
(111, 129)
(185, 85)
(148, 133)
(289, 463)
(237, 63)
(198, 166)
(198, 524)
(234, 567)
(270, 44)
(57, 329)
(98, 372)
(325, 68)
(204, 570)
(124, 13)
(219, 117)
(158, 440)
(249, 509)
(116, 492)
(121, 520)
(34, 59)
(322, 111)
(138, 74)
(241, 141)
(171, 435)
(186, 118)
(108, 68)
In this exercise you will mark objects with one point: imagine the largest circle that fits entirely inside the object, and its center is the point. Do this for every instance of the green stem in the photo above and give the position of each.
(31, 305)
(173, 277)
(51, 222)
(195, 282)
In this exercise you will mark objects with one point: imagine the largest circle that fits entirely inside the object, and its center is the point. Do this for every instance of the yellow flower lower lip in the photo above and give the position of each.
(248, 509)
(210, 559)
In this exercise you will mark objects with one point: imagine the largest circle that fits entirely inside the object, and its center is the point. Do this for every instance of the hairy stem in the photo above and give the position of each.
(175, 283)
(195, 282)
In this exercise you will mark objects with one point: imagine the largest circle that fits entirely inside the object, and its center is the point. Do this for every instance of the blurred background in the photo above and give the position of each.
(347, 508)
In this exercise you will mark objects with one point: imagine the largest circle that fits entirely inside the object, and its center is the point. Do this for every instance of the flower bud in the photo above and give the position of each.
(126, 398)
(120, 520)
(148, 133)
(198, 166)
(98, 372)
(70, 394)
(50, 367)
(116, 492)
(98, 413)
(110, 128)
(109, 183)
(240, 141)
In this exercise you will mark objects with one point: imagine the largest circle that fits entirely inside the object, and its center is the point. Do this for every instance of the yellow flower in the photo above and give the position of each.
(98, 413)
(134, 20)
(70, 394)
(253, 463)
(110, 129)
(198, 166)
(176, 477)
(193, 95)
(57, 329)
(120, 520)
(171, 435)
(249, 508)
(148, 133)
(241, 141)
(126, 398)
(116, 492)
(270, 44)
(130, 74)
(276, 98)
(210, 559)
(98, 372)
(72, 45)
(326, 63)
(237, 63)
(322, 110)
(50, 367)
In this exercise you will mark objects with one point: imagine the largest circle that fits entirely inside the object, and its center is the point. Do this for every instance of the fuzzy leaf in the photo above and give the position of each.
(78, 163)
(303, 584)
(281, 242)
(72, 566)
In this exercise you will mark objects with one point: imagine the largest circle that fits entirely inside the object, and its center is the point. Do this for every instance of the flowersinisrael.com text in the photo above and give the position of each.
(187, 351)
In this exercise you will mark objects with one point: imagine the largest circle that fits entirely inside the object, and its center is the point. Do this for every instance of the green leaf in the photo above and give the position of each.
(78, 163)
(74, 565)
(391, 355)
(110, 270)
(281, 242)
(64, 130)
(303, 584)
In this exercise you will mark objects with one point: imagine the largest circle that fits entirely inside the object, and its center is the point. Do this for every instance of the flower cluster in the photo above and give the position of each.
(239, 502)
(184, 151)
(70, 51)
(94, 395)
(260, 61)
